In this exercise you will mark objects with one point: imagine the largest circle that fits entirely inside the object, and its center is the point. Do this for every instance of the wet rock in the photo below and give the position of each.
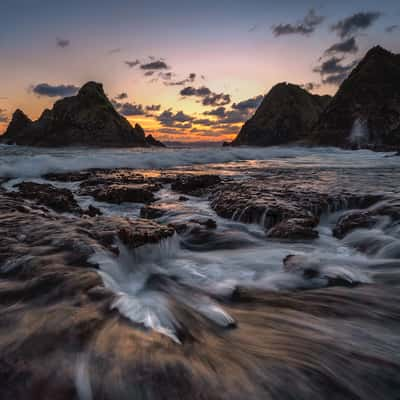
(286, 204)
(312, 269)
(60, 200)
(151, 212)
(183, 198)
(208, 223)
(92, 211)
(351, 221)
(142, 232)
(295, 228)
(194, 184)
(133, 193)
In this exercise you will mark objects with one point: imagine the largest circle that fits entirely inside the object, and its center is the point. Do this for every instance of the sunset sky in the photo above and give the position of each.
(185, 70)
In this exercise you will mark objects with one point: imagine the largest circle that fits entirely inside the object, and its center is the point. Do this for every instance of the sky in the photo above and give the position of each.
(185, 70)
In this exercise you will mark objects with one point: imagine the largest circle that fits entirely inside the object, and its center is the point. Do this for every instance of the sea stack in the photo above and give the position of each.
(87, 119)
(365, 112)
(286, 115)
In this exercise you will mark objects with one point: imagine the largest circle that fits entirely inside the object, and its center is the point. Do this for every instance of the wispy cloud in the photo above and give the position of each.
(355, 23)
(208, 97)
(304, 27)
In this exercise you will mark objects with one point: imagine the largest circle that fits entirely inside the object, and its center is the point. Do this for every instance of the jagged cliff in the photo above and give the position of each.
(87, 119)
(365, 112)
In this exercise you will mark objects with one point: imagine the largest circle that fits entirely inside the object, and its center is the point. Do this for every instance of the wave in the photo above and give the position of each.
(17, 161)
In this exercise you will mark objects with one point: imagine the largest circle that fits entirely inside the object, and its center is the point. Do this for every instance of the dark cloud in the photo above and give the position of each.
(3, 116)
(165, 76)
(190, 79)
(346, 46)
(208, 98)
(333, 71)
(130, 109)
(148, 73)
(199, 92)
(154, 65)
(179, 119)
(392, 28)
(356, 22)
(304, 27)
(216, 112)
(121, 96)
(46, 90)
(132, 64)
(62, 42)
(248, 104)
(153, 107)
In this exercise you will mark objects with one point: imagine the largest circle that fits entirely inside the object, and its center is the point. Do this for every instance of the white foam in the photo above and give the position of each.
(17, 161)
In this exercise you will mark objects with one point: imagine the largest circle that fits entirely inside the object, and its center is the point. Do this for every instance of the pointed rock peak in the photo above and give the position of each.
(92, 90)
(378, 51)
(19, 115)
(139, 129)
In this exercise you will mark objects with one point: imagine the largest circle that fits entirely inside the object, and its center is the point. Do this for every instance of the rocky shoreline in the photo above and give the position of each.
(69, 341)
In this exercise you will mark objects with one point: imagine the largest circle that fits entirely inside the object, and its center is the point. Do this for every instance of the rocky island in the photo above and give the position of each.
(364, 113)
(87, 119)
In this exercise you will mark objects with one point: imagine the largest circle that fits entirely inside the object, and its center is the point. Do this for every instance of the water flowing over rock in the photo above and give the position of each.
(286, 115)
(370, 94)
(87, 119)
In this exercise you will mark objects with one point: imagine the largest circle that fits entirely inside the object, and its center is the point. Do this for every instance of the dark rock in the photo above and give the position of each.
(295, 228)
(60, 200)
(287, 114)
(134, 193)
(87, 119)
(150, 140)
(150, 212)
(92, 211)
(371, 96)
(194, 184)
(142, 232)
(353, 220)
(206, 222)
(183, 198)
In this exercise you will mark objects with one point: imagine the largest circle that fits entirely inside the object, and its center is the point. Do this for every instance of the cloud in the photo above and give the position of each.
(179, 119)
(356, 22)
(114, 51)
(121, 96)
(333, 72)
(248, 104)
(46, 90)
(154, 65)
(208, 98)
(153, 107)
(392, 28)
(304, 27)
(310, 86)
(219, 112)
(190, 79)
(130, 109)
(62, 42)
(132, 64)
(3, 116)
(346, 46)
(148, 73)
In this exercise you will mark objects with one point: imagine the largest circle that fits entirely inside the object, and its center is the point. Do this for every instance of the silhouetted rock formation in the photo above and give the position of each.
(87, 119)
(287, 114)
(154, 142)
(365, 112)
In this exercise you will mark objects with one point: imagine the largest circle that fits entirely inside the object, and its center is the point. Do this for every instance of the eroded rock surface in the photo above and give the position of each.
(194, 184)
